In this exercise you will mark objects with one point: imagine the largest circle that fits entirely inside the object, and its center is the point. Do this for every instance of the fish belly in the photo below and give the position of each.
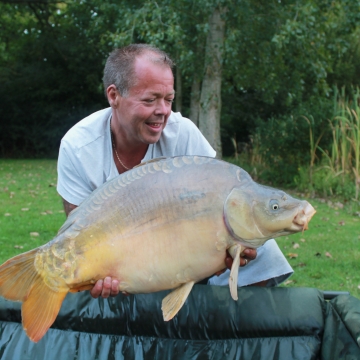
(162, 258)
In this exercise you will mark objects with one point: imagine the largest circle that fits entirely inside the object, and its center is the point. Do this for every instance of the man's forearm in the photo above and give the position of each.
(68, 207)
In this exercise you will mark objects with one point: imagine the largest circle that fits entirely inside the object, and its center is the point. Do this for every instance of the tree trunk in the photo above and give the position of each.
(195, 101)
(178, 90)
(210, 99)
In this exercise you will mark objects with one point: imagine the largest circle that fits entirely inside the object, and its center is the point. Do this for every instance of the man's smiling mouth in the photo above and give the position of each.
(154, 125)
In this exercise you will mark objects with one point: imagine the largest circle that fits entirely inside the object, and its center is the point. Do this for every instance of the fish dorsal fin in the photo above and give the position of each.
(65, 226)
(151, 161)
(174, 301)
(69, 221)
(74, 213)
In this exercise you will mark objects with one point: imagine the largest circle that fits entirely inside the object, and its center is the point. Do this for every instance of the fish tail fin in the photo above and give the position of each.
(17, 276)
(19, 281)
(40, 309)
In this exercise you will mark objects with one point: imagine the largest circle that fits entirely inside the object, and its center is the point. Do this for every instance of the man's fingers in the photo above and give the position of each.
(114, 287)
(246, 256)
(249, 254)
(106, 290)
(244, 261)
(228, 261)
(95, 292)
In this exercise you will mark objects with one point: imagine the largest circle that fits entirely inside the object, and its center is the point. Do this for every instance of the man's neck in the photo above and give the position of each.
(126, 154)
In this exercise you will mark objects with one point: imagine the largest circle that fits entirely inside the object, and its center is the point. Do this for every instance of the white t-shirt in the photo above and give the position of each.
(85, 162)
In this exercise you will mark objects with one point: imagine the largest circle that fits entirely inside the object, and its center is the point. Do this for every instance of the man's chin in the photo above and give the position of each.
(151, 136)
(151, 139)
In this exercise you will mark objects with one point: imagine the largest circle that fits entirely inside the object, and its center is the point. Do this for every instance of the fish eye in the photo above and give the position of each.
(274, 205)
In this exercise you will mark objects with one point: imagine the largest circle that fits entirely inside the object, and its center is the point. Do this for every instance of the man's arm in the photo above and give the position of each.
(68, 207)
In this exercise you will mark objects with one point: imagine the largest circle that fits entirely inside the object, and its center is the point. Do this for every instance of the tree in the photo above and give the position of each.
(255, 62)
(210, 99)
(50, 72)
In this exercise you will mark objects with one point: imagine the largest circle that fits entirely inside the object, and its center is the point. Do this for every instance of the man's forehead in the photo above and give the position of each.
(150, 74)
(150, 60)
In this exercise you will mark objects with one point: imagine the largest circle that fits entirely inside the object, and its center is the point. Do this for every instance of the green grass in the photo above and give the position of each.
(328, 256)
(31, 211)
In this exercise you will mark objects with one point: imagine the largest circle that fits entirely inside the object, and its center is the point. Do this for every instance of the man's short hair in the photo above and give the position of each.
(119, 67)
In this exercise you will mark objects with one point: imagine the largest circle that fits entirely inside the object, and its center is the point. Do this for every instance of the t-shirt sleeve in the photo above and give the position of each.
(192, 141)
(71, 184)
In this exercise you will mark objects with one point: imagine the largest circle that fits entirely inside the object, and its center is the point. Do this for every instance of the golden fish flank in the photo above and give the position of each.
(163, 225)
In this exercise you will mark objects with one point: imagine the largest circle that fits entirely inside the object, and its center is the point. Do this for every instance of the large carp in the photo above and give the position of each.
(163, 225)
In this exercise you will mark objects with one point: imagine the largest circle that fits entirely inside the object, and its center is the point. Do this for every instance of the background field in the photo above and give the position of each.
(327, 256)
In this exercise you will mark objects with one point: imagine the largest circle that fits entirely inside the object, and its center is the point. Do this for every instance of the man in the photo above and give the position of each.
(138, 126)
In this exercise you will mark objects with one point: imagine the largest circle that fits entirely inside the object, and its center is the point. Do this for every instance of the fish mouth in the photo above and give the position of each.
(303, 217)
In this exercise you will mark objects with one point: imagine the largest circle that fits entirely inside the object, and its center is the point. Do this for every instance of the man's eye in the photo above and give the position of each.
(149, 100)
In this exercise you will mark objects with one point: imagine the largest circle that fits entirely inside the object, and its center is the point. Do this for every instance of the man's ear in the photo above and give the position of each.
(112, 95)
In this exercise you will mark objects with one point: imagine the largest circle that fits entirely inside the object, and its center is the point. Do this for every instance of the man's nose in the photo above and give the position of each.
(162, 107)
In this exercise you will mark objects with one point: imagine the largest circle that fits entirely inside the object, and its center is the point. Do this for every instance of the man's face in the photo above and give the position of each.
(143, 113)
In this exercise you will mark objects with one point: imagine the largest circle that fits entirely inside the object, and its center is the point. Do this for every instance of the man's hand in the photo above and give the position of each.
(246, 256)
(105, 288)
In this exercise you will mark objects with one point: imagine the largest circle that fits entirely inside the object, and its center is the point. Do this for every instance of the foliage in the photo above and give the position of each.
(286, 66)
(341, 160)
(325, 183)
(331, 164)
(281, 61)
(284, 141)
(49, 74)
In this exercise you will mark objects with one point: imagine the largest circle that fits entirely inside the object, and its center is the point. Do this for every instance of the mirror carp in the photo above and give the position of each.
(165, 224)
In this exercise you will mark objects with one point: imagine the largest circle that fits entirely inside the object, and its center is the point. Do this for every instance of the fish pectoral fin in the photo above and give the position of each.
(174, 301)
(40, 309)
(235, 252)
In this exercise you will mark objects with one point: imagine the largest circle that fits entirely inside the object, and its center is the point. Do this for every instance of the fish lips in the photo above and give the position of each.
(302, 218)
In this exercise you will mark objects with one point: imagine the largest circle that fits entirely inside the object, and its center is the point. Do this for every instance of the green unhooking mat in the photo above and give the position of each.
(264, 324)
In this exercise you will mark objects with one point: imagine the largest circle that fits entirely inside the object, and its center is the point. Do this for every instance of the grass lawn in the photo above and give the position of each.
(327, 256)
(31, 211)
